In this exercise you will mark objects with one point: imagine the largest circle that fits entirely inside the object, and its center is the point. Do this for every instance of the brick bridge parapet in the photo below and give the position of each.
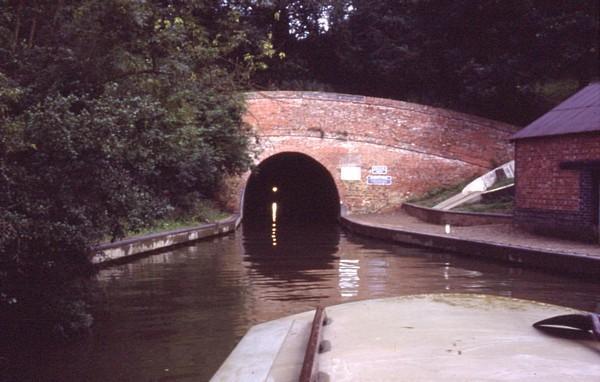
(421, 147)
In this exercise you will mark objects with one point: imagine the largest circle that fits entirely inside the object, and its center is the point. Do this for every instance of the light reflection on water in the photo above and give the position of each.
(175, 316)
(349, 281)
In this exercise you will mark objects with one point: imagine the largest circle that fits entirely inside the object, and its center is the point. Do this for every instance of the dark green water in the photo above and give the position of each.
(176, 316)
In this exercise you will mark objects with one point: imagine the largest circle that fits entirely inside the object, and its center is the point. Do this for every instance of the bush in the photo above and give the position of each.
(112, 115)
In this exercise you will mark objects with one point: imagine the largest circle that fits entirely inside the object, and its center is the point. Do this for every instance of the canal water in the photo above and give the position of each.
(175, 316)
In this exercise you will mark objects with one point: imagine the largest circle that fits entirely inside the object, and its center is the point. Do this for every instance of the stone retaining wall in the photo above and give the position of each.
(131, 248)
(455, 218)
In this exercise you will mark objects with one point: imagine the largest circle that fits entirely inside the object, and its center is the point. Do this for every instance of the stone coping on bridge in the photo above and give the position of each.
(134, 247)
(383, 102)
(499, 242)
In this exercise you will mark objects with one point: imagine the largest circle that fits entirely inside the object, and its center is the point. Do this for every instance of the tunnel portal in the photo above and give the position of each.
(302, 189)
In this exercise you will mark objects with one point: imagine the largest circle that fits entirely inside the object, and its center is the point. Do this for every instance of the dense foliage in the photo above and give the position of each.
(113, 113)
(504, 59)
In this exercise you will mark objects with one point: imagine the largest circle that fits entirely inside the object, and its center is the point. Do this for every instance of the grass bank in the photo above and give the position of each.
(501, 202)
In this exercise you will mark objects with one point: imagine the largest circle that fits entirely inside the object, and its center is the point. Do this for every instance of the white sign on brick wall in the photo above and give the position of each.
(350, 173)
(379, 170)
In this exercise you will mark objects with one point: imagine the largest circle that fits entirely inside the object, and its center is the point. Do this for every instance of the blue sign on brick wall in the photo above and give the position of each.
(379, 180)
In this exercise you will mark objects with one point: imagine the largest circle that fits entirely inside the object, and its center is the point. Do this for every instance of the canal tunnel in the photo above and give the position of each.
(291, 187)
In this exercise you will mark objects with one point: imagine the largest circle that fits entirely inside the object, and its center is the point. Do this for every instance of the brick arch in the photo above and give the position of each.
(423, 147)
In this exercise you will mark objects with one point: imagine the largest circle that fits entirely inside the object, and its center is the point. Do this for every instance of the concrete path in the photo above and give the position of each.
(504, 239)
(504, 234)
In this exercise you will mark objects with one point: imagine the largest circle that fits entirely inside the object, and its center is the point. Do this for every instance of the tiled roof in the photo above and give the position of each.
(579, 113)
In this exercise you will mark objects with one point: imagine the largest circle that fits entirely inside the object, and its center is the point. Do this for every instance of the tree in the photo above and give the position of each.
(495, 58)
(113, 114)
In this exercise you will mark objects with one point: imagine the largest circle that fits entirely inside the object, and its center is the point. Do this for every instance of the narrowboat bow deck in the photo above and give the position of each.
(449, 337)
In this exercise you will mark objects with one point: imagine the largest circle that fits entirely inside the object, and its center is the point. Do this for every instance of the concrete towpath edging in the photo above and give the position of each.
(574, 264)
(131, 248)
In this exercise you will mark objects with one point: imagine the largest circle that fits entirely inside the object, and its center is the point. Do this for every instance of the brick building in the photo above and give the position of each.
(557, 164)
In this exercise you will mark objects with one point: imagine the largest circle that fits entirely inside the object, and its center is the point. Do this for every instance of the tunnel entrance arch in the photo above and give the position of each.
(301, 187)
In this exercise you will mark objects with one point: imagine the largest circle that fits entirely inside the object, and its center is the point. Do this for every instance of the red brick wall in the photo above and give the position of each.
(541, 183)
(423, 147)
(556, 199)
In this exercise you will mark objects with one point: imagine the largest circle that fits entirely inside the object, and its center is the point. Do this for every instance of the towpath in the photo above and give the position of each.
(399, 226)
